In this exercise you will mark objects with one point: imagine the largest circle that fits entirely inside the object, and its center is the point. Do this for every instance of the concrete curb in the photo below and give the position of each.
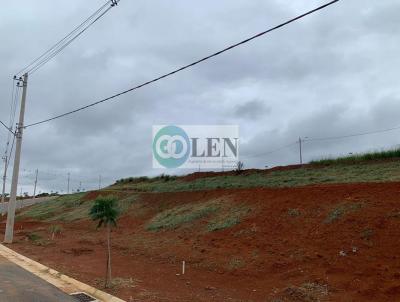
(63, 282)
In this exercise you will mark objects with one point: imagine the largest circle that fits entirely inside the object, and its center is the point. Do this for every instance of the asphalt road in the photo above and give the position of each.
(18, 285)
(23, 203)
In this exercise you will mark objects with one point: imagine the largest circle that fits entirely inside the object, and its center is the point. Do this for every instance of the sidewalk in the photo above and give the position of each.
(18, 285)
(28, 283)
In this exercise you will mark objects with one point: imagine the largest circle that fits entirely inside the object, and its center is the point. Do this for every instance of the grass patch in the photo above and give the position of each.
(341, 210)
(118, 283)
(67, 208)
(367, 234)
(34, 236)
(125, 204)
(293, 212)
(310, 292)
(37, 239)
(229, 218)
(394, 215)
(162, 177)
(80, 211)
(220, 225)
(177, 216)
(235, 263)
(48, 209)
(306, 175)
(361, 157)
(55, 229)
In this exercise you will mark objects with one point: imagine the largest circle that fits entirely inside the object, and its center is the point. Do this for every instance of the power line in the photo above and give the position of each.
(5, 126)
(43, 62)
(270, 152)
(14, 105)
(11, 150)
(325, 139)
(351, 135)
(61, 41)
(186, 66)
(13, 109)
(68, 39)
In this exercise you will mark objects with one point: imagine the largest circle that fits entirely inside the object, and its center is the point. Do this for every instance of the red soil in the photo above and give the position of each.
(272, 252)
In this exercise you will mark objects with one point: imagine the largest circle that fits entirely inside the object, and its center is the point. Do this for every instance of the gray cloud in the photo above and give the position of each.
(252, 110)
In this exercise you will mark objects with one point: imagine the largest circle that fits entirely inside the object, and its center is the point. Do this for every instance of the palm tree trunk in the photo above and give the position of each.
(106, 278)
(108, 273)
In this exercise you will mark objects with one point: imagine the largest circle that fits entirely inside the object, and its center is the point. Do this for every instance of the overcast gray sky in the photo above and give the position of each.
(333, 73)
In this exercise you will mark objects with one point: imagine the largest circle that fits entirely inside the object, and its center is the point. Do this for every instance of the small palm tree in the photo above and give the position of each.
(105, 211)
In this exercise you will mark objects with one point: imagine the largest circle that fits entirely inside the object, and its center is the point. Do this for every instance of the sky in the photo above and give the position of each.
(333, 73)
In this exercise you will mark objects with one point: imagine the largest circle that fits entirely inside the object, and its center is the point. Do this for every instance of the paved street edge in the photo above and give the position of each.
(57, 279)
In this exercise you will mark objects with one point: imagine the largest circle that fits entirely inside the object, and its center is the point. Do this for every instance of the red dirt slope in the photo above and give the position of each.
(316, 243)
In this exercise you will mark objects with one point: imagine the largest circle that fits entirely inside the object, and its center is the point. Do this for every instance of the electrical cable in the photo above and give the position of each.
(186, 66)
(64, 42)
(47, 59)
(270, 152)
(5, 126)
(351, 135)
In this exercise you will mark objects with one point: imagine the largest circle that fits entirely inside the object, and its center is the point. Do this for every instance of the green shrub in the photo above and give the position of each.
(54, 230)
(34, 236)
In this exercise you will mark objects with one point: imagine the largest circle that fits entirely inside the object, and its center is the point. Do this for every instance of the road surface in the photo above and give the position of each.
(19, 285)
(23, 203)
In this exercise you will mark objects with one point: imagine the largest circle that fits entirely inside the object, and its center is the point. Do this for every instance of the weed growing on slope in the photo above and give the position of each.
(48, 209)
(293, 212)
(55, 229)
(37, 239)
(235, 263)
(339, 211)
(229, 218)
(68, 208)
(33, 236)
(175, 217)
(334, 173)
(361, 157)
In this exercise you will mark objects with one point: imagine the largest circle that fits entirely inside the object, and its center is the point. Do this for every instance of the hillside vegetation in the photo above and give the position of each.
(362, 168)
(347, 170)
(311, 241)
(361, 157)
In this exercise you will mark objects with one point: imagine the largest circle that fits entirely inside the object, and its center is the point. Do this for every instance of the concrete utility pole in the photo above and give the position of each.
(3, 194)
(301, 141)
(34, 188)
(8, 238)
(68, 183)
(99, 182)
(301, 156)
